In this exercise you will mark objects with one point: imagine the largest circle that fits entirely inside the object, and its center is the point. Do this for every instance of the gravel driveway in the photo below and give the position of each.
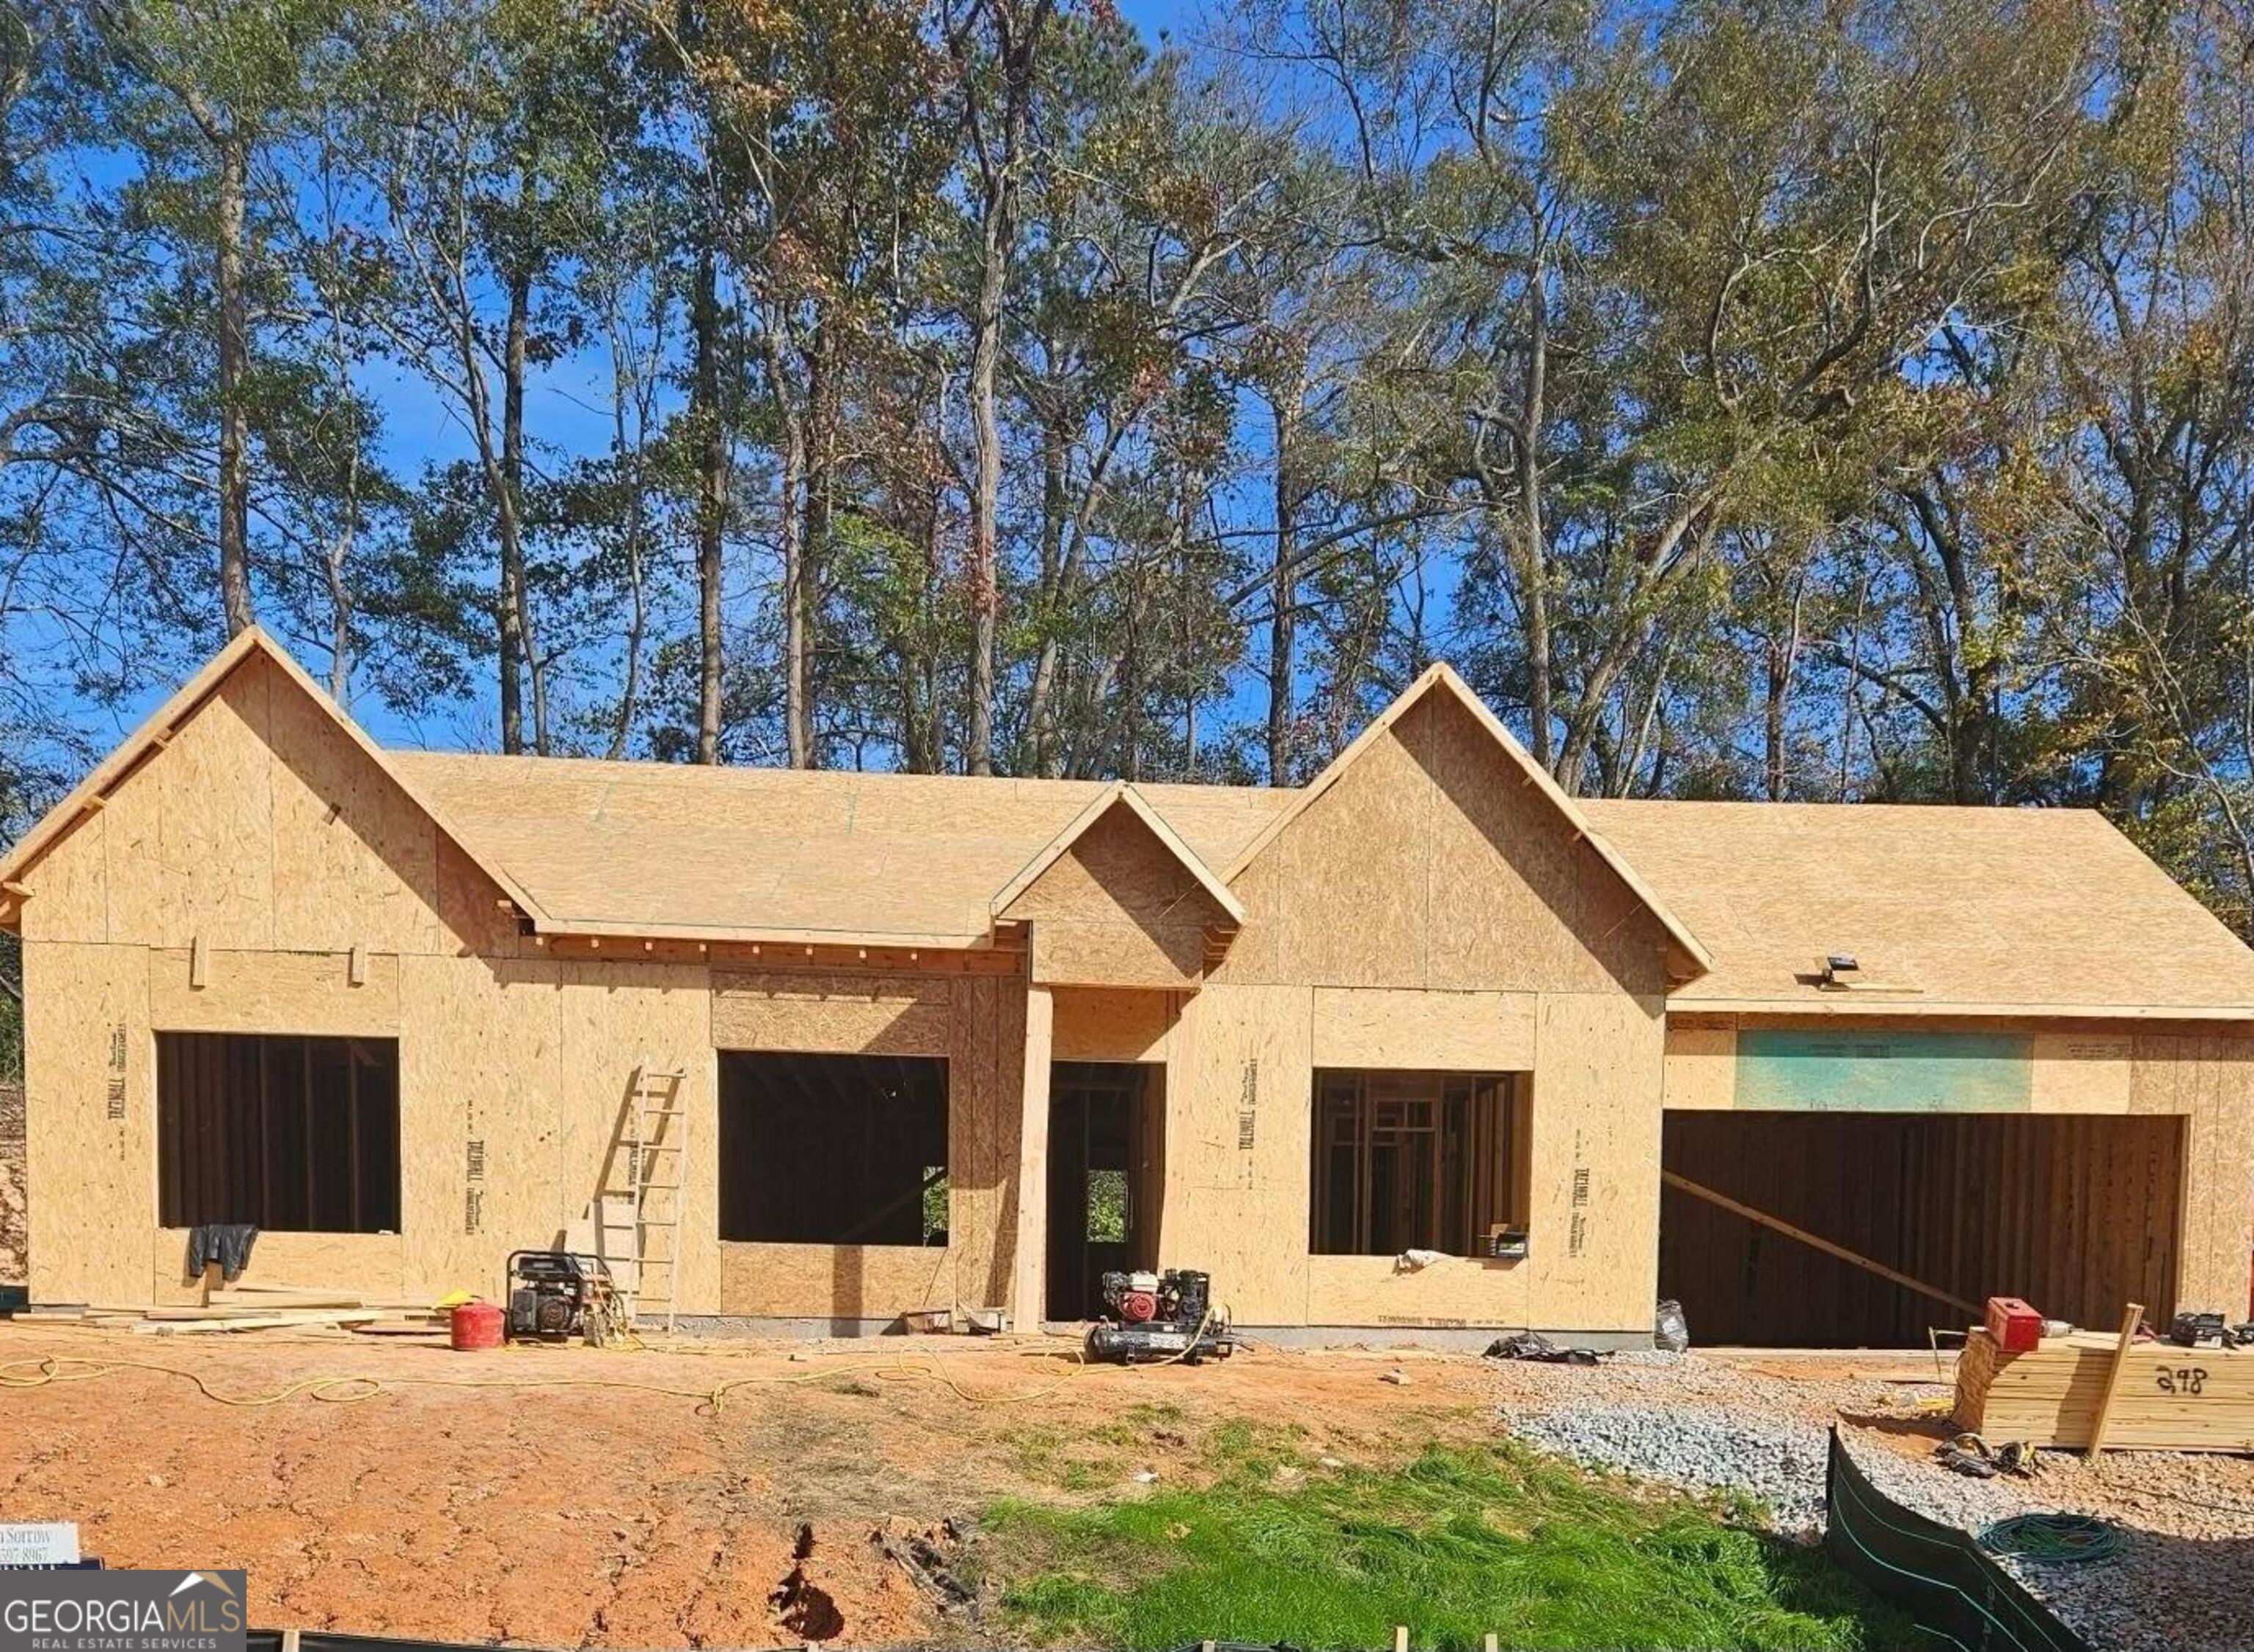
(1757, 1428)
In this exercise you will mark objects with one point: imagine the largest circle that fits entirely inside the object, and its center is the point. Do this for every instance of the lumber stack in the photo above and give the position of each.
(2168, 1398)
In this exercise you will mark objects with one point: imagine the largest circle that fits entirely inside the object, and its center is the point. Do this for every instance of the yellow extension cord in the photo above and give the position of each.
(350, 1389)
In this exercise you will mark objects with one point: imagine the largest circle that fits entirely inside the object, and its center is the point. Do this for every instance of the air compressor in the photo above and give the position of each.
(1154, 1318)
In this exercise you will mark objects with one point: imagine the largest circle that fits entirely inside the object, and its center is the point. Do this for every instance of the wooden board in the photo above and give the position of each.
(2169, 1398)
(356, 858)
(1594, 1229)
(90, 1121)
(480, 1155)
(1239, 1109)
(307, 992)
(842, 1282)
(1117, 908)
(612, 1017)
(1455, 1290)
(2206, 1080)
(1113, 1023)
(1028, 1300)
(843, 1014)
(1423, 1031)
(372, 1266)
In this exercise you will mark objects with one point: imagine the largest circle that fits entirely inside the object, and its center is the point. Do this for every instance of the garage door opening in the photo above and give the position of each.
(2078, 1215)
(833, 1150)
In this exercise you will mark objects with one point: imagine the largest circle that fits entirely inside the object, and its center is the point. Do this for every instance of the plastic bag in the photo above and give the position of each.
(1672, 1332)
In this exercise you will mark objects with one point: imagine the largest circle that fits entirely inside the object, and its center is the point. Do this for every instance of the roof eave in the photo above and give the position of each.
(1990, 1009)
(753, 934)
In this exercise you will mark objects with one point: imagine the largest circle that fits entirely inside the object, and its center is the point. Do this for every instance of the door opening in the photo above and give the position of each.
(1107, 1122)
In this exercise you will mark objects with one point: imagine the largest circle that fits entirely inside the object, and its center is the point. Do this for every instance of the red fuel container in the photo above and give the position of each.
(2016, 1327)
(475, 1325)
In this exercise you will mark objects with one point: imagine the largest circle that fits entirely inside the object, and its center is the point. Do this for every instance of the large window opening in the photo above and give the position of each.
(1418, 1161)
(833, 1150)
(292, 1134)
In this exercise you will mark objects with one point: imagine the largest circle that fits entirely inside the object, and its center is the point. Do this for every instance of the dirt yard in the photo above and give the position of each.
(603, 1499)
(751, 1493)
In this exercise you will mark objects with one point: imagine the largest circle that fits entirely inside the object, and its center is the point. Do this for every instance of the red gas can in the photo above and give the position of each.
(476, 1325)
(2016, 1327)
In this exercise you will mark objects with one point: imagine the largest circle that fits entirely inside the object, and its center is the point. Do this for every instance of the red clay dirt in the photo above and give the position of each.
(570, 1505)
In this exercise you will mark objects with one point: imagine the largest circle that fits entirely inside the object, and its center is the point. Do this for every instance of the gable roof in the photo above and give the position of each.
(1946, 910)
(1949, 911)
(1441, 678)
(1120, 795)
(826, 855)
(157, 729)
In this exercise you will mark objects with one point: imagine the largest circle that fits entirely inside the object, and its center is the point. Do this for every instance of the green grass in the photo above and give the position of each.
(1461, 1542)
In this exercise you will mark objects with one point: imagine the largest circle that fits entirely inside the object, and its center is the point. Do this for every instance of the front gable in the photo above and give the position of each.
(1432, 854)
(1118, 900)
(248, 814)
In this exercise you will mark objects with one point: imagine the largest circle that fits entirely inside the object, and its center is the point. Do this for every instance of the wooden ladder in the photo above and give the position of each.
(657, 1170)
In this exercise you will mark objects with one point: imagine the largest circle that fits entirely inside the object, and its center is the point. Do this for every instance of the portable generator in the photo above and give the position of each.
(1158, 1317)
(556, 1295)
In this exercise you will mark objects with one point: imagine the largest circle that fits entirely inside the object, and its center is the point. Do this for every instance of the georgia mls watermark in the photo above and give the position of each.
(121, 1611)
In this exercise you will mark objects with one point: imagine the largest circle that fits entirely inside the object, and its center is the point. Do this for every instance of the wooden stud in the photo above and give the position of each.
(1684, 1184)
(2133, 1317)
(356, 967)
(199, 962)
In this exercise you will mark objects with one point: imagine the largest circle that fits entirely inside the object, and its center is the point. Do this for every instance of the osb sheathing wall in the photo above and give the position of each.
(256, 851)
(2199, 1073)
(978, 1024)
(1429, 910)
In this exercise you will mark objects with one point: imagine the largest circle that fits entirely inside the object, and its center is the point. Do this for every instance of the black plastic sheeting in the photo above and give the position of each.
(1939, 1574)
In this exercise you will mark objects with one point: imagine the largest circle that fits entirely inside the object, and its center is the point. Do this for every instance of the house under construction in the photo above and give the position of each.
(1424, 1045)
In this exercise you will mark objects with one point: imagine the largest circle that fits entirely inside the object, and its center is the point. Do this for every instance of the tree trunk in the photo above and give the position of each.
(824, 409)
(986, 475)
(1040, 711)
(515, 632)
(798, 725)
(712, 501)
(234, 368)
(1283, 620)
(1534, 548)
(1782, 659)
(1017, 42)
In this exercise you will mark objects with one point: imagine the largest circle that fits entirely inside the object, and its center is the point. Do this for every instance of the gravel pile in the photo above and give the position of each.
(1777, 1463)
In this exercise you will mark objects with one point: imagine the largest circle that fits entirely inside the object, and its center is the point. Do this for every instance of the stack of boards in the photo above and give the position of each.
(2168, 1398)
(251, 1310)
